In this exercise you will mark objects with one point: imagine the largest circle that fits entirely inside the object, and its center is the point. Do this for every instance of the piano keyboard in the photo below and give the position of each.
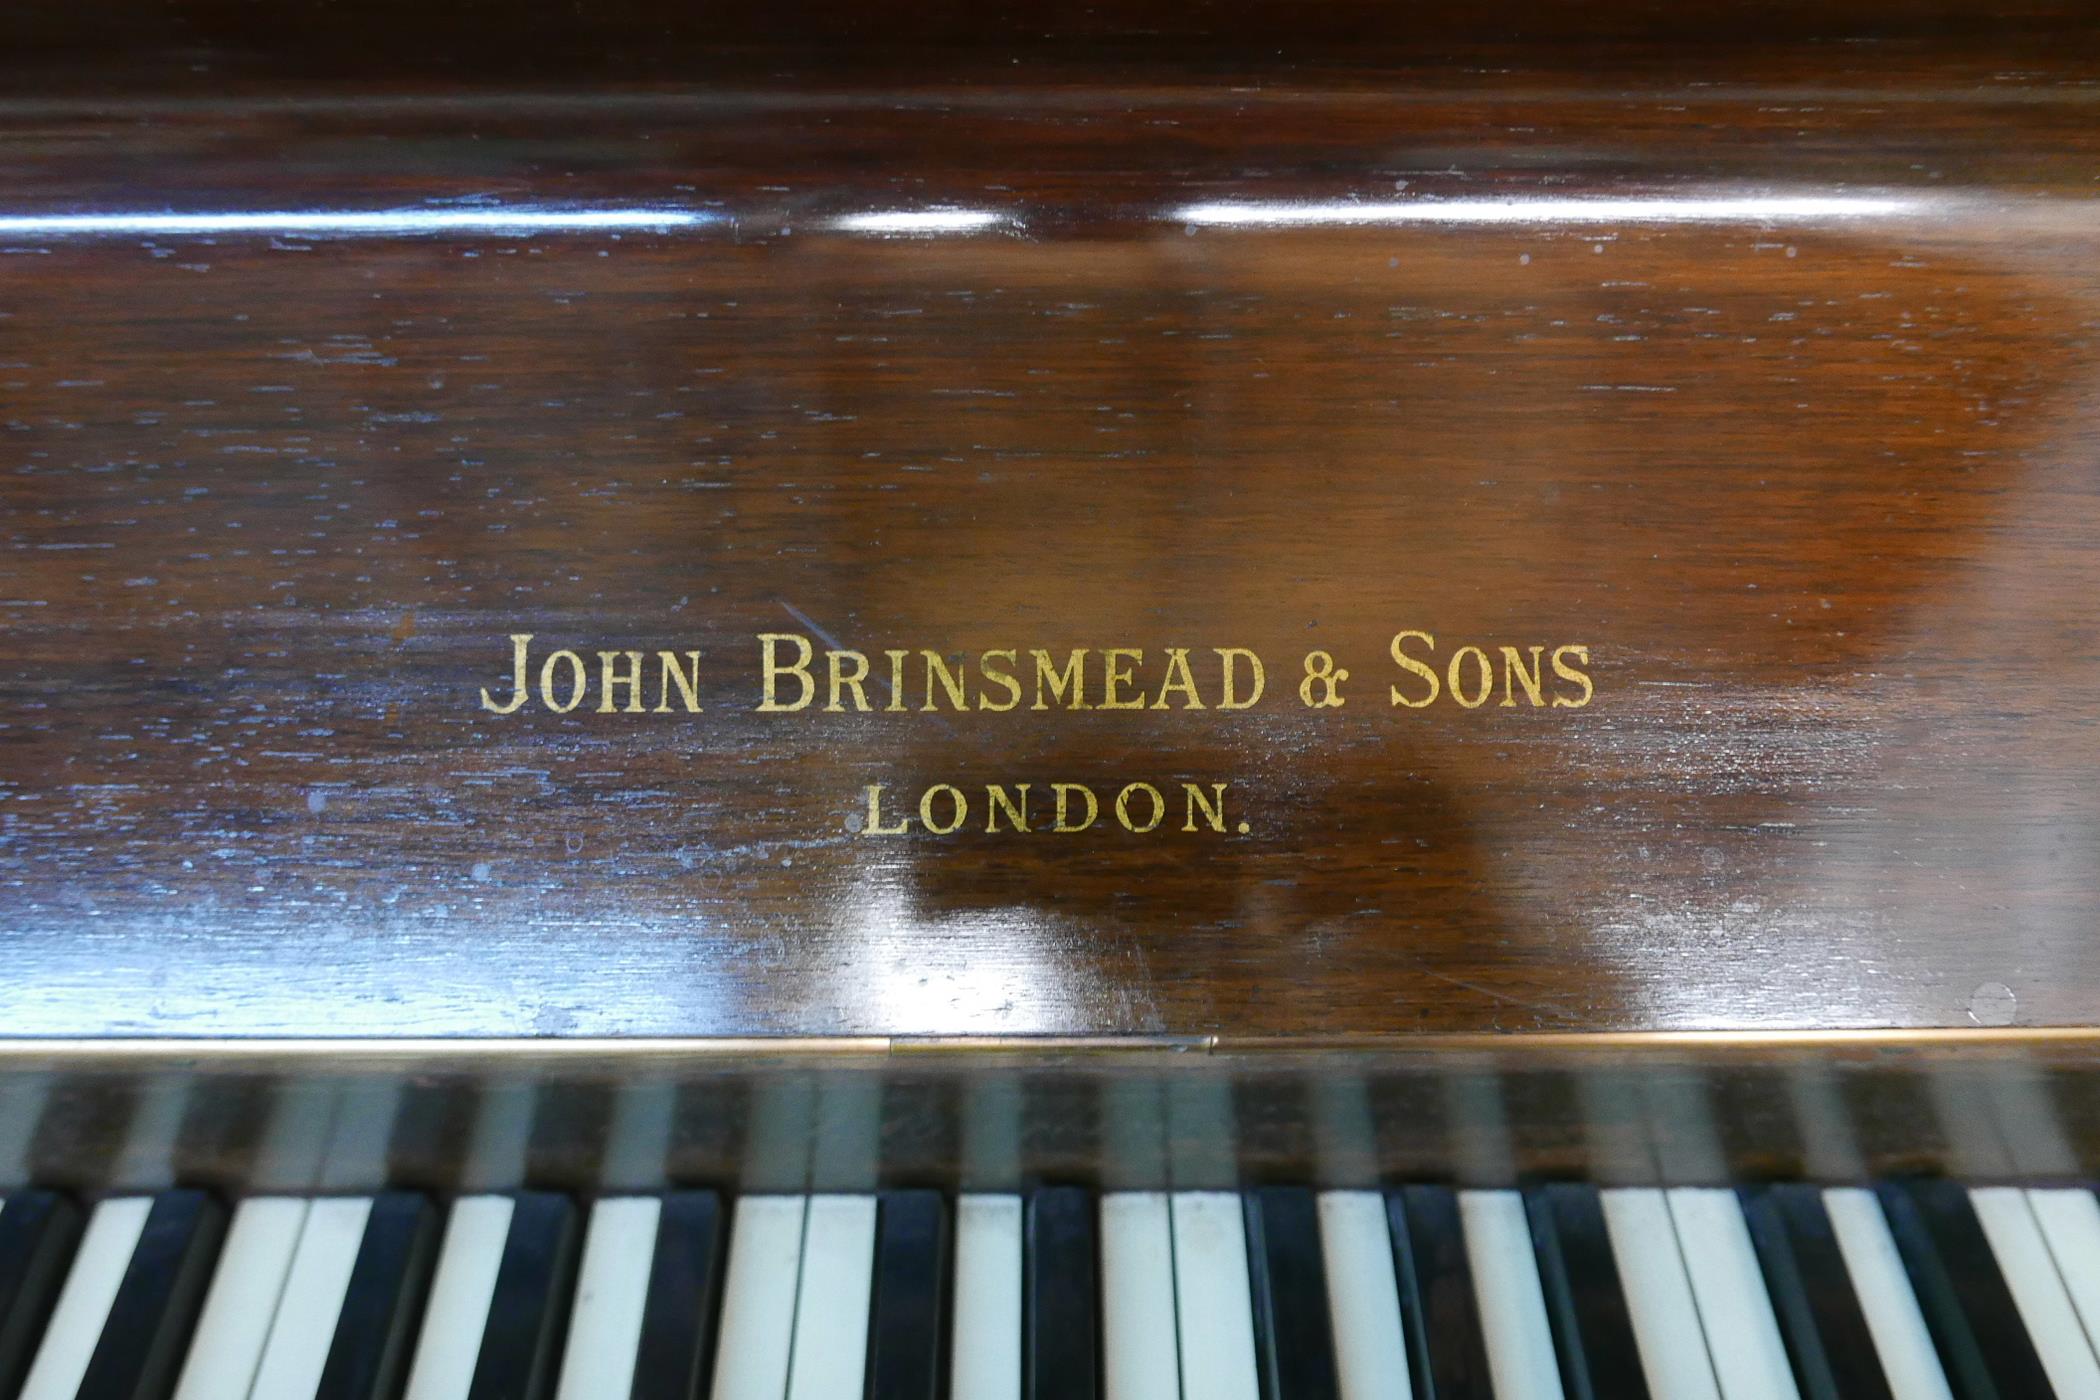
(1913, 1291)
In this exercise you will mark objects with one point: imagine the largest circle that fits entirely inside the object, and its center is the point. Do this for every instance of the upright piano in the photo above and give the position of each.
(1026, 701)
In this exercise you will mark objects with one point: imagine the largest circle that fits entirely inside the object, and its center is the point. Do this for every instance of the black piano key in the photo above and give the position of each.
(529, 1310)
(1446, 1349)
(907, 1312)
(38, 1231)
(150, 1320)
(1975, 1324)
(375, 1334)
(1819, 1315)
(675, 1355)
(1287, 1278)
(1593, 1336)
(1060, 1303)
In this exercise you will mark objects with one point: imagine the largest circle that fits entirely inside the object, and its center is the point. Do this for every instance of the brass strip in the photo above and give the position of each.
(1051, 1044)
(1820, 1038)
(365, 1052)
(320, 1052)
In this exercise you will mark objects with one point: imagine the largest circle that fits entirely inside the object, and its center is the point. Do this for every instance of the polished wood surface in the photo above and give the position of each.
(1759, 361)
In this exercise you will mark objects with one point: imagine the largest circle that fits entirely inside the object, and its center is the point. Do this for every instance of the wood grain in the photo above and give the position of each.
(1816, 488)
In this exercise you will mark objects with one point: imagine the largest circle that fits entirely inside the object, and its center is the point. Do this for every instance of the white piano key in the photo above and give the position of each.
(358, 1133)
(245, 1287)
(1962, 1096)
(1201, 1129)
(612, 1292)
(502, 1136)
(1615, 1125)
(1345, 1132)
(1363, 1297)
(986, 1333)
(1830, 1148)
(2030, 1272)
(1691, 1150)
(2030, 1123)
(758, 1298)
(1134, 1117)
(829, 1360)
(783, 1122)
(295, 1137)
(639, 1140)
(1477, 1119)
(1901, 1341)
(1735, 1311)
(91, 1285)
(1140, 1352)
(2070, 1221)
(1521, 1362)
(304, 1327)
(1213, 1305)
(845, 1142)
(1658, 1294)
(991, 1127)
(458, 1311)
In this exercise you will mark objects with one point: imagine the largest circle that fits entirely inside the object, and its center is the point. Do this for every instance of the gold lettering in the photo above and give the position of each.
(1514, 675)
(669, 670)
(1409, 664)
(950, 681)
(955, 797)
(997, 801)
(840, 680)
(1072, 679)
(896, 705)
(1178, 679)
(1159, 807)
(1001, 678)
(518, 642)
(1570, 673)
(1111, 698)
(799, 669)
(1063, 791)
(1140, 807)
(575, 664)
(608, 678)
(1213, 810)
(1485, 670)
(873, 826)
(1322, 687)
(1226, 657)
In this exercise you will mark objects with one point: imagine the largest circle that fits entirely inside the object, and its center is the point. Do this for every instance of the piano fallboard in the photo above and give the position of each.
(552, 550)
